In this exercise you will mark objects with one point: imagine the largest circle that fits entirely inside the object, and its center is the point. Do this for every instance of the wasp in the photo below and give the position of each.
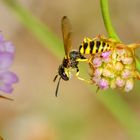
(71, 60)
(97, 45)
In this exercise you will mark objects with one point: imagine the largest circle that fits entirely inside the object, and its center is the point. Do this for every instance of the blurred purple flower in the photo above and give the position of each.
(7, 78)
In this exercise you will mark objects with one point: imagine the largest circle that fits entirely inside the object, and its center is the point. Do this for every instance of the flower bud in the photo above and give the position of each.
(103, 84)
(120, 82)
(115, 68)
(129, 85)
(97, 61)
(119, 66)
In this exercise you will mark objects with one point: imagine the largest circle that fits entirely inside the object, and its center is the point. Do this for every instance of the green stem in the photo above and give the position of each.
(108, 24)
(42, 32)
(127, 119)
(138, 64)
(107, 20)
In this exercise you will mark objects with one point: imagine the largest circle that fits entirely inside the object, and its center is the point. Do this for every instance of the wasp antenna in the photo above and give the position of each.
(55, 77)
(56, 92)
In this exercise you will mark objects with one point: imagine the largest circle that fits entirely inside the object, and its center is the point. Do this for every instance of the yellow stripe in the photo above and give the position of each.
(108, 47)
(94, 48)
(100, 48)
(105, 48)
(82, 49)
(87, 51)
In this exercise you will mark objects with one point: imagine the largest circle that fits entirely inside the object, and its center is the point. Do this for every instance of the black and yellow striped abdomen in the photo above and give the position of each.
(94, 46)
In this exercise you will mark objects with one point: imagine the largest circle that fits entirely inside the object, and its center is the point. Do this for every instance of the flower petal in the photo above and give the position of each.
(103, 84)
(6, 88)
(1, 38)
(120, 82)
(98, 72)
(8, 77)
(97, 61)
(106, 54)
(6, 60)
(129, 85)
(9, 47)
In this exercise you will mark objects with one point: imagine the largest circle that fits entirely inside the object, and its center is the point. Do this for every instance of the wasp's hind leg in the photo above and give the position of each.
(134, 45)
(137, 75)
(80, 78)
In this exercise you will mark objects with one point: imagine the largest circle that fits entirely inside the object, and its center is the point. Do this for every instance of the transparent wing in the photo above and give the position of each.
(66, 32)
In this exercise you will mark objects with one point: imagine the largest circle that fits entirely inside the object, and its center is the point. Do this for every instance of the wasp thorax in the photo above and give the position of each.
(74, 55)
(114, 69)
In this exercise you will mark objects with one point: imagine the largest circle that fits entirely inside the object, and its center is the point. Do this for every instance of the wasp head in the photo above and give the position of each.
(63, 73)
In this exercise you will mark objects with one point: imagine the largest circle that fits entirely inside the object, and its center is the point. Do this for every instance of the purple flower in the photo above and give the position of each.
(6, 60)
(120, 82)
(103, 84)
(126, 73)
(129, 85)
(7, 78)
(97, 62)
(106, 54)
(127, 60)
(98, 72)
(115, 67)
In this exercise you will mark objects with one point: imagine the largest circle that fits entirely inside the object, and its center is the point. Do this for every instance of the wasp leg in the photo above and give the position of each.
(90, 62)
(137, 75)
(102, 37)
(110, 40)
(121, 46)
(134, 45)
(82, 79)
(98, 37)
(82, 59)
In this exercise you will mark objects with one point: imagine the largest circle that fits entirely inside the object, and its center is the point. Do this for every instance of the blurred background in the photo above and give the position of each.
(77, 113)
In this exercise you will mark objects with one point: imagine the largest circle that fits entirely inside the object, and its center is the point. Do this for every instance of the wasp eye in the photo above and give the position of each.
(65, 77)
(63, 74)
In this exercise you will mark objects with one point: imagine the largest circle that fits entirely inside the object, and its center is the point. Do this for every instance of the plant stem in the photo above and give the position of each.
(47, 37)
(107, 20)
(127, 119)
(138, 64)
(108, 25)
